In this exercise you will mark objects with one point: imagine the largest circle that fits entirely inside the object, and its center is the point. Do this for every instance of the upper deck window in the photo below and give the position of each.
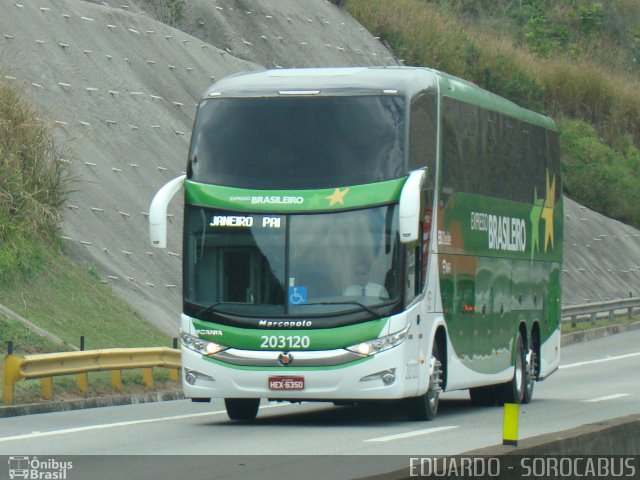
(298, 142)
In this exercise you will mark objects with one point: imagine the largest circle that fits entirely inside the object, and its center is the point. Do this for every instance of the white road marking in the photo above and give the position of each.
(413, 433)
(608, 397)
(601, 360)
(118, 424)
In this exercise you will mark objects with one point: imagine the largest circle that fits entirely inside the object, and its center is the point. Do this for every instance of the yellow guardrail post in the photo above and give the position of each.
(82, 382)
(46, 366)
(10, 375)
(147, 377)
(116, 380)
(47, 387)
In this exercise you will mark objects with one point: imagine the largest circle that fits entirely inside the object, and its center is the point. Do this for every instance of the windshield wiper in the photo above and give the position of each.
(210, 308)
(361, 305)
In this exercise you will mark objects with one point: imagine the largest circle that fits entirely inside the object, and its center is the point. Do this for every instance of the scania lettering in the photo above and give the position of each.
(354, 234)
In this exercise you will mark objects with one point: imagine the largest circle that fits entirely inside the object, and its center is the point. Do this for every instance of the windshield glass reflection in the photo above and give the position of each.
(290, 265)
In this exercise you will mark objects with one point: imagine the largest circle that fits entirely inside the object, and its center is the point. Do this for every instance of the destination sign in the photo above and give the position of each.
(245, 221)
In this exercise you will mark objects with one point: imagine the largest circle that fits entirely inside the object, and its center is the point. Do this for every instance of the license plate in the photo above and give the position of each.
(286, 383)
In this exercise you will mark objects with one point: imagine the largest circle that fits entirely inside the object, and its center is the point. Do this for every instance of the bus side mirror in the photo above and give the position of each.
(410, 206)
(158, 211)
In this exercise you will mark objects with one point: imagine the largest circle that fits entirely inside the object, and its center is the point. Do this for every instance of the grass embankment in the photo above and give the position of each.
(68, 300)
(37, 280)
(578, 62)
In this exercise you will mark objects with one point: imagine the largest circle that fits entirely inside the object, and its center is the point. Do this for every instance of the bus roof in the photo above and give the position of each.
(401, 80)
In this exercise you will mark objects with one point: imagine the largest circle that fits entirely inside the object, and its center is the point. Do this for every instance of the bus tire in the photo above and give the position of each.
(513, 390)
(425, 407)
(242, 408)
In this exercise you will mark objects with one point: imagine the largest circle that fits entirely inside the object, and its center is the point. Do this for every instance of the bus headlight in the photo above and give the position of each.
(380, 344)
(199, 345)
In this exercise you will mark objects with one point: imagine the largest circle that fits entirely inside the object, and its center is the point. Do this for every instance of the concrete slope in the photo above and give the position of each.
(601, 257)
(123, 89)
(289, 33)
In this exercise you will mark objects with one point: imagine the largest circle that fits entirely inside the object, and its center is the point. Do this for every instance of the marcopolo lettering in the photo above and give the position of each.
(285, 323)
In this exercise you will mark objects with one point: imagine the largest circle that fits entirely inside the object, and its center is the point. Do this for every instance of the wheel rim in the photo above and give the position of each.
(519, 370)
(434, 388)
(531, 369)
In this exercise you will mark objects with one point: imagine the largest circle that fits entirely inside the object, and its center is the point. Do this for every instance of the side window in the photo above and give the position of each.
(418, 253)
(451, 145)
(426, 214)
(410, 273)
(462, 147)
(423, 134)
(491, 154)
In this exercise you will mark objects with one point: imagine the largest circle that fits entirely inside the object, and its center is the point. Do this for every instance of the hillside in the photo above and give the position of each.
(123, 89)
(576, 62)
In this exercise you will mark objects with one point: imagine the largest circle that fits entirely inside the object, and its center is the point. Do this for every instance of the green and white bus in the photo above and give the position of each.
(357, 234)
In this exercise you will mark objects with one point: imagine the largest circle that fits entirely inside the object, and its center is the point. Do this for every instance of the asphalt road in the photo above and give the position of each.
(597, 380)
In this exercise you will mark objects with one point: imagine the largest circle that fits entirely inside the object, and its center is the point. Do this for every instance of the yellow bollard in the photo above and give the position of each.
(10, 375)
(510, 424)
(7, 393)
(47, 388)
(147, 377)
(116, 380)
(82, 382)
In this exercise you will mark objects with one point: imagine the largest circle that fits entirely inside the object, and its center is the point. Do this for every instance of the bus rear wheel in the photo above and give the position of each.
(529, 376)
(242, 408)
(514, 390)
(425, 407)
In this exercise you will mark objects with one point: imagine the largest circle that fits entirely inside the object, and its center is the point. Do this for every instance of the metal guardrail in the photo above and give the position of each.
(590, 311)
(47, 365)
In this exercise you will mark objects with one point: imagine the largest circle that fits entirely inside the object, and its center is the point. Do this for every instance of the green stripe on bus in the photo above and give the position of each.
(319, 339)
(341, 198)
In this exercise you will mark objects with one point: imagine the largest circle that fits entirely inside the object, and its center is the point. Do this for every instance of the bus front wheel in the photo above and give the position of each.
(425, 407)
(242, 408)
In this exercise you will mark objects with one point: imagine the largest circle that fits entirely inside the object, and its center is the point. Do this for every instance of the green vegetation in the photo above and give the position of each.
(33, 186)
(591, 168)
(577, 61)
(166, 11)
(37, 280)
(66, 300)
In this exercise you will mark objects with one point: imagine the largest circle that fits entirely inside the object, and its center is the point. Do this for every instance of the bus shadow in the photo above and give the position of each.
(361, 414)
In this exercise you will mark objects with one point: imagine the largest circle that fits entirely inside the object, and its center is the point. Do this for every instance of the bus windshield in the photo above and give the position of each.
(290, 265)
(298, 142)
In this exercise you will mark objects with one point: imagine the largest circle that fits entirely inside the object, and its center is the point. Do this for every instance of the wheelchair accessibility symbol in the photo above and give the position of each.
(297, 295)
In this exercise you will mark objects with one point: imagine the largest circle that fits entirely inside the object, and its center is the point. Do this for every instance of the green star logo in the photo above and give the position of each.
(535, 215)
(543, 210)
